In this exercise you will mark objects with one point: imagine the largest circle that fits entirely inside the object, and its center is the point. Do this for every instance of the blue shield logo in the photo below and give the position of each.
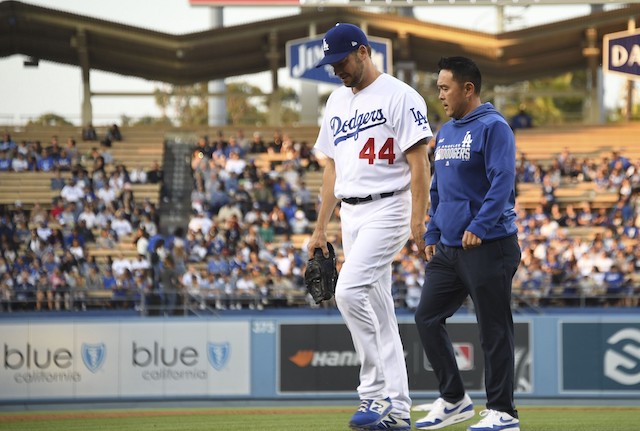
(218, 354)
(93, 356)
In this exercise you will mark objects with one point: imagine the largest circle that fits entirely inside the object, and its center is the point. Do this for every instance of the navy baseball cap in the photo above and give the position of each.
(340, 41)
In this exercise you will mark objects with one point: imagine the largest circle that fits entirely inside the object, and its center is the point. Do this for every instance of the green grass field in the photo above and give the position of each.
(538, 418)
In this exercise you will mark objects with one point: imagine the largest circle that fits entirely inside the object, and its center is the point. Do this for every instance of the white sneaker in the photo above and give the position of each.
(493, 420)
(443, 414)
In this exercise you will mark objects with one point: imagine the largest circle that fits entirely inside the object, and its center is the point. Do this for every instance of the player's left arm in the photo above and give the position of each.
(500, 166)
(418, 161)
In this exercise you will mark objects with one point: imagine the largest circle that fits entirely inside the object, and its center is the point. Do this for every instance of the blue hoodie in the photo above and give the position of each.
(473, 187)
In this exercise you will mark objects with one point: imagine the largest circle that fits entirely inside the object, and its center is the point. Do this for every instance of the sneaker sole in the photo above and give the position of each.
(366, 427)
(517, 428)
(450, 421)
(374, 427)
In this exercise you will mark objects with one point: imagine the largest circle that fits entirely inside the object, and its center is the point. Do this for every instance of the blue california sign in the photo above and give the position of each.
(304, 54)
(622, 53)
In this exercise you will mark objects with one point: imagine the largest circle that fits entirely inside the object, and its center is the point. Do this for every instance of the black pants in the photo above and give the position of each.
(485, 273)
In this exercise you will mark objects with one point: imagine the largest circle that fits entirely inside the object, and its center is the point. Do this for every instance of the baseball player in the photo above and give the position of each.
(374, 134)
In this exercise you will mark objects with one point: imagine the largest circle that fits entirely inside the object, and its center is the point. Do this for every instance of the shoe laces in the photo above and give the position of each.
(438, 404)
(436, 409)
(364, 406)
(489, 417)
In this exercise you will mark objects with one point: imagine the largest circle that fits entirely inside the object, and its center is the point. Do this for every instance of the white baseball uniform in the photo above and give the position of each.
(366, 135)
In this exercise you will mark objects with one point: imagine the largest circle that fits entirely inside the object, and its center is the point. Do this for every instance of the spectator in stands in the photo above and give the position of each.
(203, 147)
(299, 223)
(155, 174)
(275, 145)
(234, 146)
(89, 133)
(169, 286)
(113, 133)
(228, 210)
(257, 144)
(147, 223)
(19, 163)
(38, 215)
(7, 144)
(54, 148)
(121, 225)
(93, 279)
(105, 153)
(72, 191)
(59, 292)
(107, 195)
(5, 161)
(138, 175)
(123, 289)
(235, 164)
(266, 232)
(72, 149)
(22, 148)
(522, 120)
(219, 144)
(43, 289)
(279, 221)
(46, 162)
(618, 161)
(64, 161)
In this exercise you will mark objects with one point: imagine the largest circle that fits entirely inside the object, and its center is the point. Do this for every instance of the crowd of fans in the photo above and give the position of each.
(560, 268)
(242, 247)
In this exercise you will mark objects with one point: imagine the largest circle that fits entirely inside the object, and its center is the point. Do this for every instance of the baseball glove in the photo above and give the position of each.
(321, 275)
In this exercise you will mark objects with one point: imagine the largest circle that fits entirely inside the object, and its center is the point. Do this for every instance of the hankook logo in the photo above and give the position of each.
(331, 358)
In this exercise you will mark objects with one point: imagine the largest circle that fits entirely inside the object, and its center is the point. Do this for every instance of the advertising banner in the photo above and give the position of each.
(600, 357)
(621, 53)
(303, 54)
(321, 357)
(150, 359)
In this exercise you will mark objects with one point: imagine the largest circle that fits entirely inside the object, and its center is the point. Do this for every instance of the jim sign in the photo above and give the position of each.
(304, 54)
(622, 53)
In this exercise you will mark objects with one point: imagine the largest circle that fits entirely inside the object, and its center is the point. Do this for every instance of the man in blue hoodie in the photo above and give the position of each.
(471, 249)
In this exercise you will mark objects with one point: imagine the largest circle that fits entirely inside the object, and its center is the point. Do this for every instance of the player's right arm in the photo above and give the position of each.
(327, 204)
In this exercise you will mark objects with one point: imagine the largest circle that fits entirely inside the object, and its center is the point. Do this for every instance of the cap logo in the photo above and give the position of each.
(325, 45)
(353, 43)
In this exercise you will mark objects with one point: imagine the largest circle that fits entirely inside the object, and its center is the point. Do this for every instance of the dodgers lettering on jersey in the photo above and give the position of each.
(345, 129)
(367, 133)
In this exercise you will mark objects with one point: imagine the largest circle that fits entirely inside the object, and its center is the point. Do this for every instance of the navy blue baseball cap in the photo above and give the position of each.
(340, 41)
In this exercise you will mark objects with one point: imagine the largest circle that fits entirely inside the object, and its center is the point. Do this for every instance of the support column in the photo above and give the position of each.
(86, 109)
(309, 95)
(631, 26)
(593, 106)
(405, 68)
(218, 103)
(275, 101)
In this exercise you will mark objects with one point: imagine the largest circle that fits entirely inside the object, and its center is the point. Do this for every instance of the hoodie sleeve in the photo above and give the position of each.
(500, 164)
(432, 235)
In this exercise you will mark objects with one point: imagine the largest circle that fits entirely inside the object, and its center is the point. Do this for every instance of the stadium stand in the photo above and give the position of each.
(578, 198)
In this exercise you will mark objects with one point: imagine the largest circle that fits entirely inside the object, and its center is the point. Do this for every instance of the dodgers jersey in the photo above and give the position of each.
(367, 133)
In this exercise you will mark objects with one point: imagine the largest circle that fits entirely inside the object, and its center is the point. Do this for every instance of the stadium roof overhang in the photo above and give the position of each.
(505, 58)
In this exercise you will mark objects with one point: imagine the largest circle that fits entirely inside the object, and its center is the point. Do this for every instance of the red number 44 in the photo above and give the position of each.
(368, 151)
